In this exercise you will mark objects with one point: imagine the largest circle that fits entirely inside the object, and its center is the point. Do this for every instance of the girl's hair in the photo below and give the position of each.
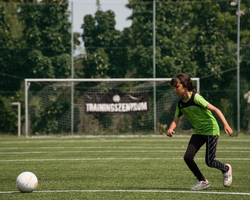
(185, 80)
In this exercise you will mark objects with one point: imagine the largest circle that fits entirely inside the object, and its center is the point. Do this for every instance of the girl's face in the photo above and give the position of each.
(179, 89)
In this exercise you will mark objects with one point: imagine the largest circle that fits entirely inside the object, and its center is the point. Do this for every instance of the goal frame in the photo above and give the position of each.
(18, 104)
(28, 81)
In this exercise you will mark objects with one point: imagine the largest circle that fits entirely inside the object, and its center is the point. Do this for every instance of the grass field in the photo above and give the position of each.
(119, 168)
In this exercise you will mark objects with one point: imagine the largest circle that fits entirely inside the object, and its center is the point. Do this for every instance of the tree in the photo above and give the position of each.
(47, 39)
(36, 43)
(210, 46)
(10, 79)
(245, 41)
(103, 46)
(172, 53)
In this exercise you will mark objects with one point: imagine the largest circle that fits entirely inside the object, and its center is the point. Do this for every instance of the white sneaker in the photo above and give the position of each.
(201, 185)
(227, 176)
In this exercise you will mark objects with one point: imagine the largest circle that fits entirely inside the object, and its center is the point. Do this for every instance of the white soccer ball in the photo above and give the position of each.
(26, 182)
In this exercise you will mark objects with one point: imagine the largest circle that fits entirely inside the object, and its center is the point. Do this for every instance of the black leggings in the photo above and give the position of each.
(195, 143)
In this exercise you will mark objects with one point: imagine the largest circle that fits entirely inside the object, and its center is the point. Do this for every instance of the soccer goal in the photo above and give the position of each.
(99, 106)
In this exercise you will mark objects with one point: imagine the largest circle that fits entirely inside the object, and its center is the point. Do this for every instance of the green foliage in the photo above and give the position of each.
(9, 43)
(8, 120)
(172, 50)
(96, 64)
(103, 47)
(9, 81)
(47, 39)
(36, 41)
(9, 113)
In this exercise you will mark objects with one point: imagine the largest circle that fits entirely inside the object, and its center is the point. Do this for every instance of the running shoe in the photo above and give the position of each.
(227, 176)
(201, 185)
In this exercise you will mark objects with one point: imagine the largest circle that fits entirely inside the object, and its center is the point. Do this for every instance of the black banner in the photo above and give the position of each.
(112, 103)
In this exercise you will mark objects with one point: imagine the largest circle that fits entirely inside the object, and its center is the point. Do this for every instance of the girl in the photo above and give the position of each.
(198, 111)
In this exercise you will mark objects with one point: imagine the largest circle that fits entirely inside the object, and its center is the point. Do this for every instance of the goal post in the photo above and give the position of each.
(18, 104)
(48, 106)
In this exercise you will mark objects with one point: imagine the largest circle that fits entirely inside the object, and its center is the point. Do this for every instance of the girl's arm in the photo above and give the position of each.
(173, 125)
(215, 110)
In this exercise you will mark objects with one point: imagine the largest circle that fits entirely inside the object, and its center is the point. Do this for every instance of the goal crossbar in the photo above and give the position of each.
(104, 80)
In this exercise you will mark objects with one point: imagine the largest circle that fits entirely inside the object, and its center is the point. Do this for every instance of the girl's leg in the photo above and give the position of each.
(211, 146)
(194, 145)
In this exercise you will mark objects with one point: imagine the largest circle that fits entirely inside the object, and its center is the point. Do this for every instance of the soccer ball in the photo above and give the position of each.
(26, 182)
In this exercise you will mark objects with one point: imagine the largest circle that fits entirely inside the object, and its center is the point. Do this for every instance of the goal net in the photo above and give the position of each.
(100, 106)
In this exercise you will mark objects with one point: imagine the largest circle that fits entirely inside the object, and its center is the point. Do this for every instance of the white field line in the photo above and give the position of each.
(142, 151)
(105, 159)
(100, 140)
(71, 152)
(110, 147)
(105, 140)
(98, 147)
(134, 191)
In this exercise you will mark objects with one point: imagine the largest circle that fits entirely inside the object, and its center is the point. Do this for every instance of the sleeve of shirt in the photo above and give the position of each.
(178, 113)
(199, 100)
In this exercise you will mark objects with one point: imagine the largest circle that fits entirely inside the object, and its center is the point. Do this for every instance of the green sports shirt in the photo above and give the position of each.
(200, 117)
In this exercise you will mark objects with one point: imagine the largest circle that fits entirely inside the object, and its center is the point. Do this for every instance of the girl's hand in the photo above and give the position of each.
(170, 133)
(228, 130)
